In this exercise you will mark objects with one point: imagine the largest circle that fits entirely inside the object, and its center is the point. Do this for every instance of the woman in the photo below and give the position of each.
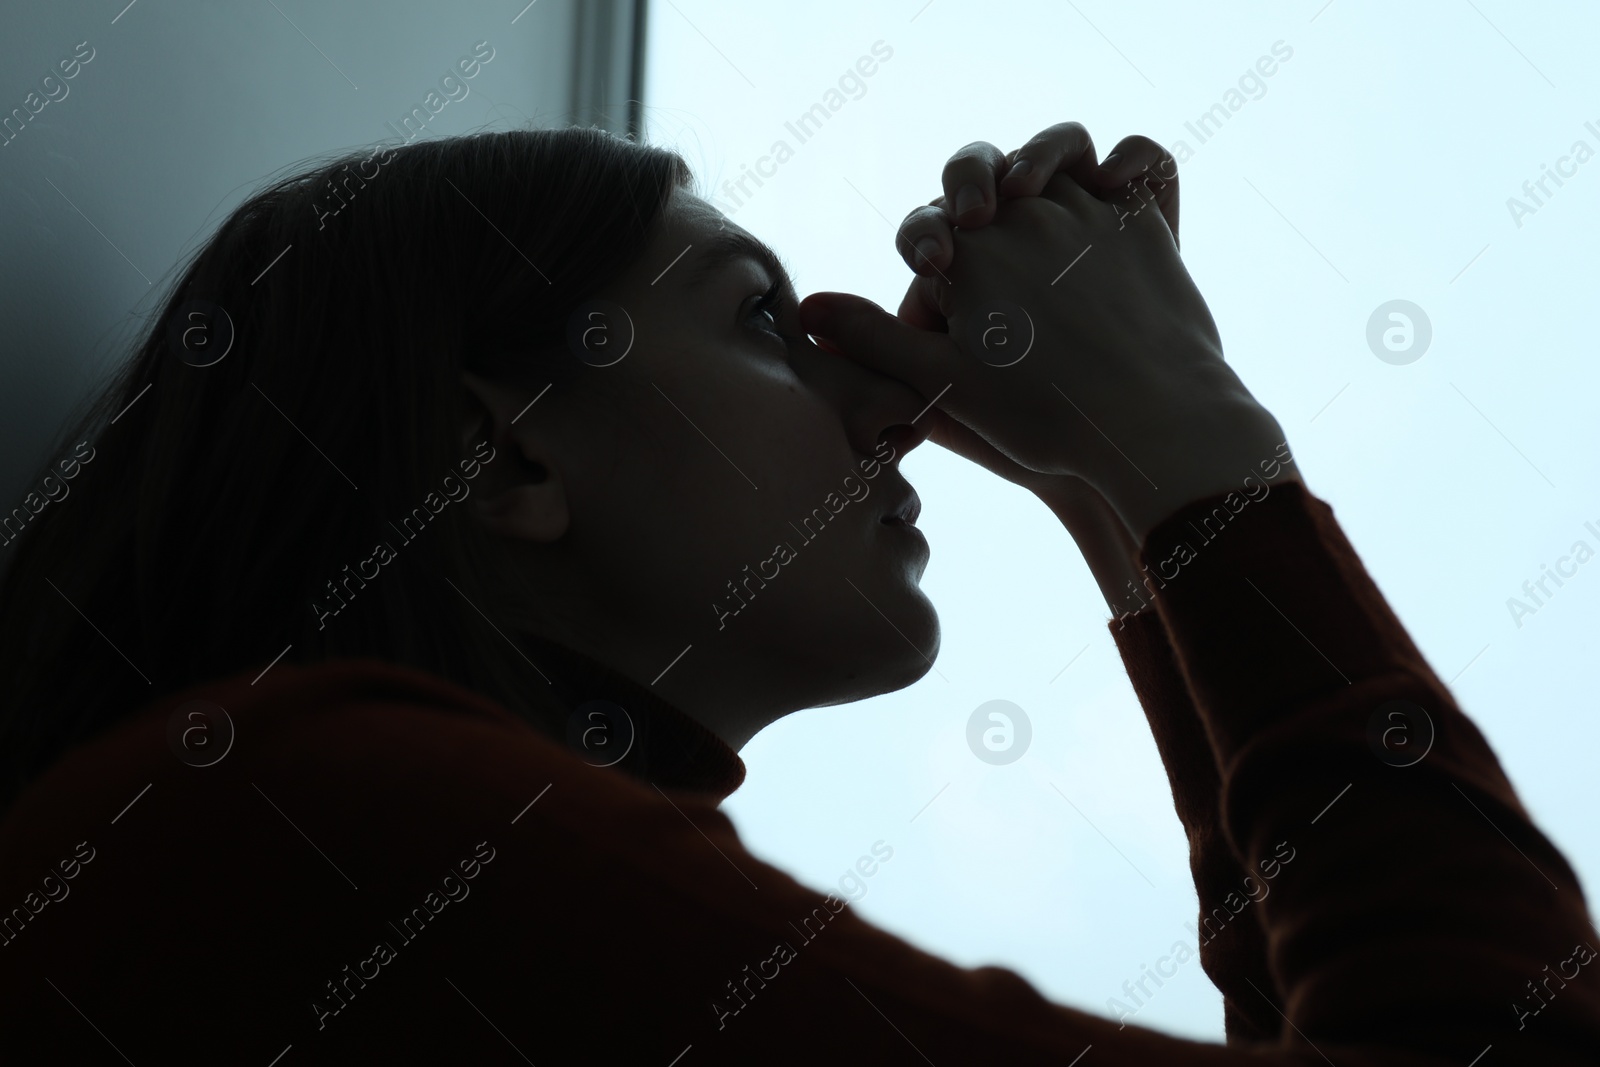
(365, 704)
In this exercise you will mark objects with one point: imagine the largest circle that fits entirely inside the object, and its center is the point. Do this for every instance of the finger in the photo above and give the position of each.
(925, 240)
(969, 183)
(1141, 166)
(1072, 498)
(1066, 191)
(923, 305)
(862, 331)
(963, 440)
(1066, 146)
(949, 432)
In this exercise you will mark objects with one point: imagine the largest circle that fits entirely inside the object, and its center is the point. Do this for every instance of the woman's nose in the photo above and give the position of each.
(904, 436)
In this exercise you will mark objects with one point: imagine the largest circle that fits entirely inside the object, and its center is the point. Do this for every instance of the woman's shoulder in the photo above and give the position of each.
(260, 716)
(269, 833)
(336, 735)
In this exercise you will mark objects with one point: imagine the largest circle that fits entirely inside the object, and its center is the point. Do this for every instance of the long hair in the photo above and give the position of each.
(205, 514)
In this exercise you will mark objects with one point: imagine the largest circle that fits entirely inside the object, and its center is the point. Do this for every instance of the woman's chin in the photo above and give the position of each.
(899, 650)
(881, 636)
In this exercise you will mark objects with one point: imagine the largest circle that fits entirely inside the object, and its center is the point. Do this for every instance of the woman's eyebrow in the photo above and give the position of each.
(727, 247)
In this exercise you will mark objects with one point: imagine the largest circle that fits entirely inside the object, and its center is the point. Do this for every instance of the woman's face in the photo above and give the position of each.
(726, 488)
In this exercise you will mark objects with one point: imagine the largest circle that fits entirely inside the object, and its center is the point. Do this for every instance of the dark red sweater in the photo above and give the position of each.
(386, 868)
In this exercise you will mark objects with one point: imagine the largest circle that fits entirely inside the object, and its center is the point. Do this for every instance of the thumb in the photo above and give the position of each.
(862, 331)
(920, 307)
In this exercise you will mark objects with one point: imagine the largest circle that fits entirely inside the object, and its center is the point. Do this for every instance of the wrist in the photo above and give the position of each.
(1243, 454)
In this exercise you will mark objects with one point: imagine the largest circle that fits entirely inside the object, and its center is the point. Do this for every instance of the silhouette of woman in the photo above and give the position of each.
(364, 704)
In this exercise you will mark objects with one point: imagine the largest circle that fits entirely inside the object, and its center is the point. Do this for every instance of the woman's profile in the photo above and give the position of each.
(386, 632)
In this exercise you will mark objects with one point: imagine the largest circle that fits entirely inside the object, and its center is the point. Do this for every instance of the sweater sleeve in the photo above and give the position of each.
(1231, 942)
(1413, 904)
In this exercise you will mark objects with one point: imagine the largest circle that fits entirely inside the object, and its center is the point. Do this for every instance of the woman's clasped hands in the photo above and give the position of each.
(1057, 333)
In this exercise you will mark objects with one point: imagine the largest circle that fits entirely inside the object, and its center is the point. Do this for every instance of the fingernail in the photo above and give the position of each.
(1019, 168)
(928, 247)
(968, 198)
(814, 317)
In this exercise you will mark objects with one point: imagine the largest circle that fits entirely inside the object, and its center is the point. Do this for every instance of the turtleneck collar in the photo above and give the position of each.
(619, 723)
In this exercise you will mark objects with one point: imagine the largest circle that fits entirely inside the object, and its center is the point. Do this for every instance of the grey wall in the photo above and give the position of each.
(185, 106)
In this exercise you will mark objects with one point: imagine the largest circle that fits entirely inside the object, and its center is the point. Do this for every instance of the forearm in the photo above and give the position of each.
(1228, 936)
(1233, 955)
(1106, 544)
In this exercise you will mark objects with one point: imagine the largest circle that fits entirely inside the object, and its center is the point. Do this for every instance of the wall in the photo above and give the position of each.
(176, 111)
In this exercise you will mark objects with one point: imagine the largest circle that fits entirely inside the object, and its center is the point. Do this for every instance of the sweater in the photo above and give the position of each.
(360, 862)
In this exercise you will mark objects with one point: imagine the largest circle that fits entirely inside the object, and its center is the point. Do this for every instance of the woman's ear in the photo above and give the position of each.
(520, 493)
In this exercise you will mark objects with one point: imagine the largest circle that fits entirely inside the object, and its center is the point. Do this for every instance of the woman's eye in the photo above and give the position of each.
(765, 312)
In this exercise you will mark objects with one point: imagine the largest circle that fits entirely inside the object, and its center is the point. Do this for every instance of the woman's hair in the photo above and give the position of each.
(219, 513)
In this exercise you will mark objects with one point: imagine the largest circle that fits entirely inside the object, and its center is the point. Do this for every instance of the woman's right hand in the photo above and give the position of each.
(979, 176)
(1078, 345)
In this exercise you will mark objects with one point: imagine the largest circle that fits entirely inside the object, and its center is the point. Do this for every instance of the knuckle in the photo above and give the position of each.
(1158, 162)
(977, 158)
(1064, 131)
(1064, 135)
(961, 156)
